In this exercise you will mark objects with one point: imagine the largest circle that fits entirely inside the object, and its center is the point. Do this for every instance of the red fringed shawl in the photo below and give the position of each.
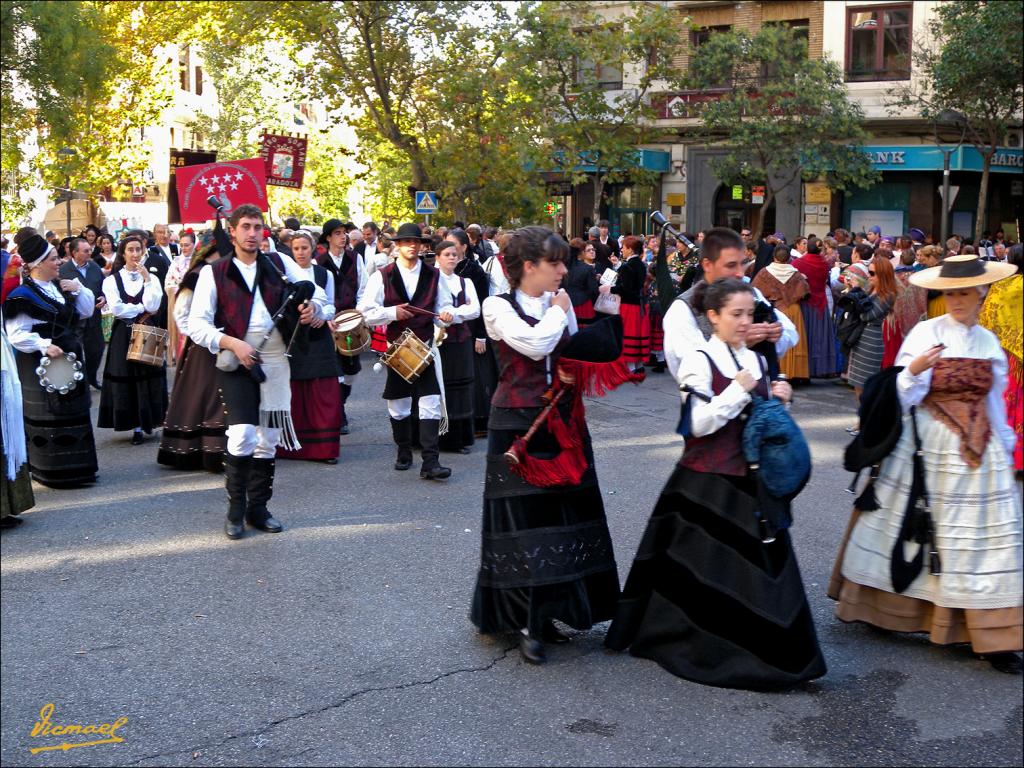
(568, 467)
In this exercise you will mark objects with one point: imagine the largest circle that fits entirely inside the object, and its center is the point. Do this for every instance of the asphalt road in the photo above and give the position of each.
(345, 640)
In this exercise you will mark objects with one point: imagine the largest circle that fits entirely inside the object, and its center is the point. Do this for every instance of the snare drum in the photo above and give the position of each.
(351, 336)
(148, 345)
(408, 356)
(60, 374)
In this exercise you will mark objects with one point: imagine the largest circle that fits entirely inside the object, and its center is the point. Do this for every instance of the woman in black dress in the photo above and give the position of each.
(134, 395)
(194, 435)
(707, 597)
(457, 352)
(526, 578)
(40, 317)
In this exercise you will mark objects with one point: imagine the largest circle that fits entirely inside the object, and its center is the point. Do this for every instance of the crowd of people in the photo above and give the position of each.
(509, 330)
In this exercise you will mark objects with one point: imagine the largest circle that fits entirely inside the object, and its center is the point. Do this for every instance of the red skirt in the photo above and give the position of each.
(316, 413)
(585, 313)
(636, 334)
(1014, 398)
(379, 339)
(657, 333)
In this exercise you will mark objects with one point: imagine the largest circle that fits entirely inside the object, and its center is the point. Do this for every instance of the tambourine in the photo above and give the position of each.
(60, 374)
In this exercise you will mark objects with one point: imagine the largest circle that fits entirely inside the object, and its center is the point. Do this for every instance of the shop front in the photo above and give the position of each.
(909, 194)
(626, 206)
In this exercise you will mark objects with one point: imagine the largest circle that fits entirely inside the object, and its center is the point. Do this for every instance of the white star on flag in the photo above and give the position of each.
(216, 179)
(222, 187)
(234, 185)
(209, 190)
(238, 177)
(202, 180)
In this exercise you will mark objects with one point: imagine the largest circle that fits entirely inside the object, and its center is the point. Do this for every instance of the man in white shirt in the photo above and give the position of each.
(232, 312)
(722, 255)
(408, 294)
(347, 269)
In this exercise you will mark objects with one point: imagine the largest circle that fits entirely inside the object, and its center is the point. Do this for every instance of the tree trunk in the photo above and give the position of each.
(769, 196)
(459, 209)
(598, 192)
(981, 224)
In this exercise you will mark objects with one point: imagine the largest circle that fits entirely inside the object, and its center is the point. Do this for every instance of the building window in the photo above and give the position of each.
(183, 68)
(199, 81)
(801, 35)
(878, 43)
(700, 36)
(607, 77)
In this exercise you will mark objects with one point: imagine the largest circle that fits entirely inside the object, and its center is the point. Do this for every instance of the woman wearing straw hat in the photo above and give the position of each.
(949, 483)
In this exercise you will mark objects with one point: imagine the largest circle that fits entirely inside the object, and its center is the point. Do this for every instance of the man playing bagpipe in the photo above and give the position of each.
(259, 300)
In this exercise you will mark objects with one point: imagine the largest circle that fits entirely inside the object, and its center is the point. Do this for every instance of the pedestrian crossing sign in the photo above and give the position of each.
(426, 202)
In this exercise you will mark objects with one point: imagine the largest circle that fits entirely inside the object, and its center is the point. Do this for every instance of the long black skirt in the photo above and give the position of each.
(485, 380)
(134, 395)
(710, 602)
(194, 433)
(58, 429)
(457, 365)
(545, 553)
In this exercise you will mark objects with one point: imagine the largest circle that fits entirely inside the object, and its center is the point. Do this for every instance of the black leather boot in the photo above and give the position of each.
(431, 469)
(346, 390)
(401, 430)
(532, 649)
(236, 480)
(261, 488)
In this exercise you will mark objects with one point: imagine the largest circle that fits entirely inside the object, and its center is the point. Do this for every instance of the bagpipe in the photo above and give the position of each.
(763, 312)
(591, 365)
(296, 296)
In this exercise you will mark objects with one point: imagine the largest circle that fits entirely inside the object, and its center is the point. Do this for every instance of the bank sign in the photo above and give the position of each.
(926, 158)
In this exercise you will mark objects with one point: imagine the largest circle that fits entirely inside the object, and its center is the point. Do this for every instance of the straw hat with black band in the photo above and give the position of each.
(967, 271)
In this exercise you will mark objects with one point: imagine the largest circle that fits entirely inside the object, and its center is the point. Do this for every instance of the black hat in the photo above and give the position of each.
(329, 226)
(32, 249)
(599, 342)
(881, 422)
(409, 232)
(292, 223)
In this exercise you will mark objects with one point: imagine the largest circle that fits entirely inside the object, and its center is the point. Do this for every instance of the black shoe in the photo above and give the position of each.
(401, 431)
(531, 649)
(1007, 662)
(554, 635)
(436, 472)
(658, 367)
(96, 385)
(236, 478)
(429, 438)
(137, 438)
(330, 461)
(259, 490)
(344, 429)
(270, 525)
(641, 369)
(11, 521)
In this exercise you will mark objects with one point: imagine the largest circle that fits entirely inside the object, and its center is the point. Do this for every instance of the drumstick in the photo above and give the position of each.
(510, 455)
(418, 311)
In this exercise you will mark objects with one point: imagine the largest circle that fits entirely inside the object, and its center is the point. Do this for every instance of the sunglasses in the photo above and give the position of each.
(871, 272)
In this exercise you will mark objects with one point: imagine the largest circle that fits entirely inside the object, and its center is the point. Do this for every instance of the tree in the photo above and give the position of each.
(571, 55)
(428, 78)
(255, 94)
(84, 75)
(972, 65)
(782, 116)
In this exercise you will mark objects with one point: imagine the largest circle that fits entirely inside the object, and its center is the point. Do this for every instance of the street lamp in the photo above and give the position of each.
(67, 153)
(956, 120)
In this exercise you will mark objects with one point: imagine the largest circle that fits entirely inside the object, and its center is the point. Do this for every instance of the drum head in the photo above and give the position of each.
(348, 320)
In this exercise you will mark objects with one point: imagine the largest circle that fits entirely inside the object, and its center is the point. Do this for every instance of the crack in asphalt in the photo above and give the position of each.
(333, 705)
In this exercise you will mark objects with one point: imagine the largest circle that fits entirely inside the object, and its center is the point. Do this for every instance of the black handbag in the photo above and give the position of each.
(917, 526)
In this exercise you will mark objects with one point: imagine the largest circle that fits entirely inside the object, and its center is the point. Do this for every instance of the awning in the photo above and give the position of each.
(655, 160)
(922, 157)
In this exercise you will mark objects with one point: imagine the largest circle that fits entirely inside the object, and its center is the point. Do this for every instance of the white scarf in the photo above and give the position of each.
(781, 272)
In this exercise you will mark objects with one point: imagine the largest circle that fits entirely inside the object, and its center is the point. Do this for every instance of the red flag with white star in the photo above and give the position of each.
(232, 182)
